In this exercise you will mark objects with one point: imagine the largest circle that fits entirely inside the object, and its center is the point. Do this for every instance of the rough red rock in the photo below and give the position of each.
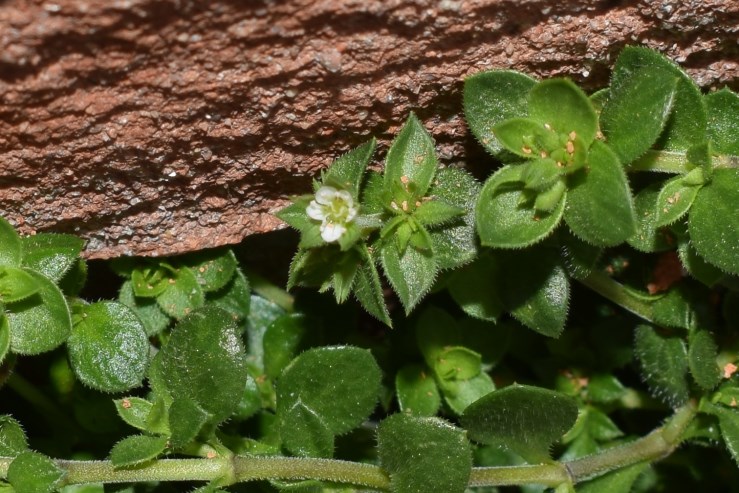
(155, 127)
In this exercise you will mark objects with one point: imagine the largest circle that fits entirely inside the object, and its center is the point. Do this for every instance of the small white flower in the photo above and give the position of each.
(335, 209)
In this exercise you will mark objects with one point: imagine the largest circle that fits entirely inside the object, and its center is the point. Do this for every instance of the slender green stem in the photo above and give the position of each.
(227, 470)
(677, 162)
(602, 284)
(267, 290)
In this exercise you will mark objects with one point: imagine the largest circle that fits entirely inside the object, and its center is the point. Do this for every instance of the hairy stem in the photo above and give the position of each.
(227, 470)
(614, 291)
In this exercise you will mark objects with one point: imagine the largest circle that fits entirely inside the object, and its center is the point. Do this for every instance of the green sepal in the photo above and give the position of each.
(637, 109)
(702, 354)
(540, 174)
(295, 214)
(501, 220)
(411, 162)
(204, 348)
(186, 418)
(417, 391)
(723, 120)
(714, 223)
(16, 284)
(51, 254)
(39, 323)
(134, 411)
(32, 472)
(346, 172)
(664, 364)
(12, 437)
(183, 294)
(676, 197)
(447, 456)
(411, 274)
(547, 200)
(492, 97)
(524, 137)
(565, 107)
(600, 209)
(526, 420)
(137, 449)
(339, 383)
(10, 245)
(99, 334)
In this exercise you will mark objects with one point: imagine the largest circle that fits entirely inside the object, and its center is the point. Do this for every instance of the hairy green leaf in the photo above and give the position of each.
(51, 254)
(475, 288)
(108, 347)
(502, 221)
(526, 420)
(714, 223)
(416, 390)
(411, 274)
(565, 107)
(32, 472)
(234, 297)
(579, 257)
(213, 269)
(446, 458)
(697, 267)
(281, 341)
(39, 323)
(16, 284)
(134, 411)
(723, 120)
(304, 433)
(10, 244)
(492, 97)
(368, 289)
(183, 295)
(524, 137)
(702, 354)
(637, 109)
(147, 309)
(186, 418)
(340, 384)
(12, 438)
(204, 360)
(676, 197)
(664, 364)
(648, 237)
(459, 394)
(411, 162)
(346, 172)
(599, 208)
(137, 449)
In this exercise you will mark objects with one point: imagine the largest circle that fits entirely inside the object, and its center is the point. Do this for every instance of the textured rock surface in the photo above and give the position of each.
(155, 127)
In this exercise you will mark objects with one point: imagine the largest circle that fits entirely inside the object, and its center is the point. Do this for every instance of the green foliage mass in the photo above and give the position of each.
(543, 319)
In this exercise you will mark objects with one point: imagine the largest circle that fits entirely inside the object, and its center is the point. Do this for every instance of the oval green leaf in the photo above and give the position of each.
(416, 390)
(39, 323)
(723, 120)
(340, 384)
(526, 420)
(137, 449)
(51, 254)
(10, 244)
(664, 364)
(147, 309)
(134, 411)
(32, 472)
(16, 284)
(411, 274)
(565, 107)
(446, 455)
(702, 354)
(600, 209)
(346, 172)
(12, 438)
(183, 295)
(502, 222)
(714, 223)
(305, 433)
(490, 98)
(411, 161)
(213, 269)
(108, 347)
(675, 198)
(204, 359)
(648, 237)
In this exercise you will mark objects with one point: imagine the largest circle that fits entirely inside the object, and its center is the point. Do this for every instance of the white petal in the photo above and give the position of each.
(351, 214)
(315, 211)
(345, 196)
(325, 195)
(331, 232)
